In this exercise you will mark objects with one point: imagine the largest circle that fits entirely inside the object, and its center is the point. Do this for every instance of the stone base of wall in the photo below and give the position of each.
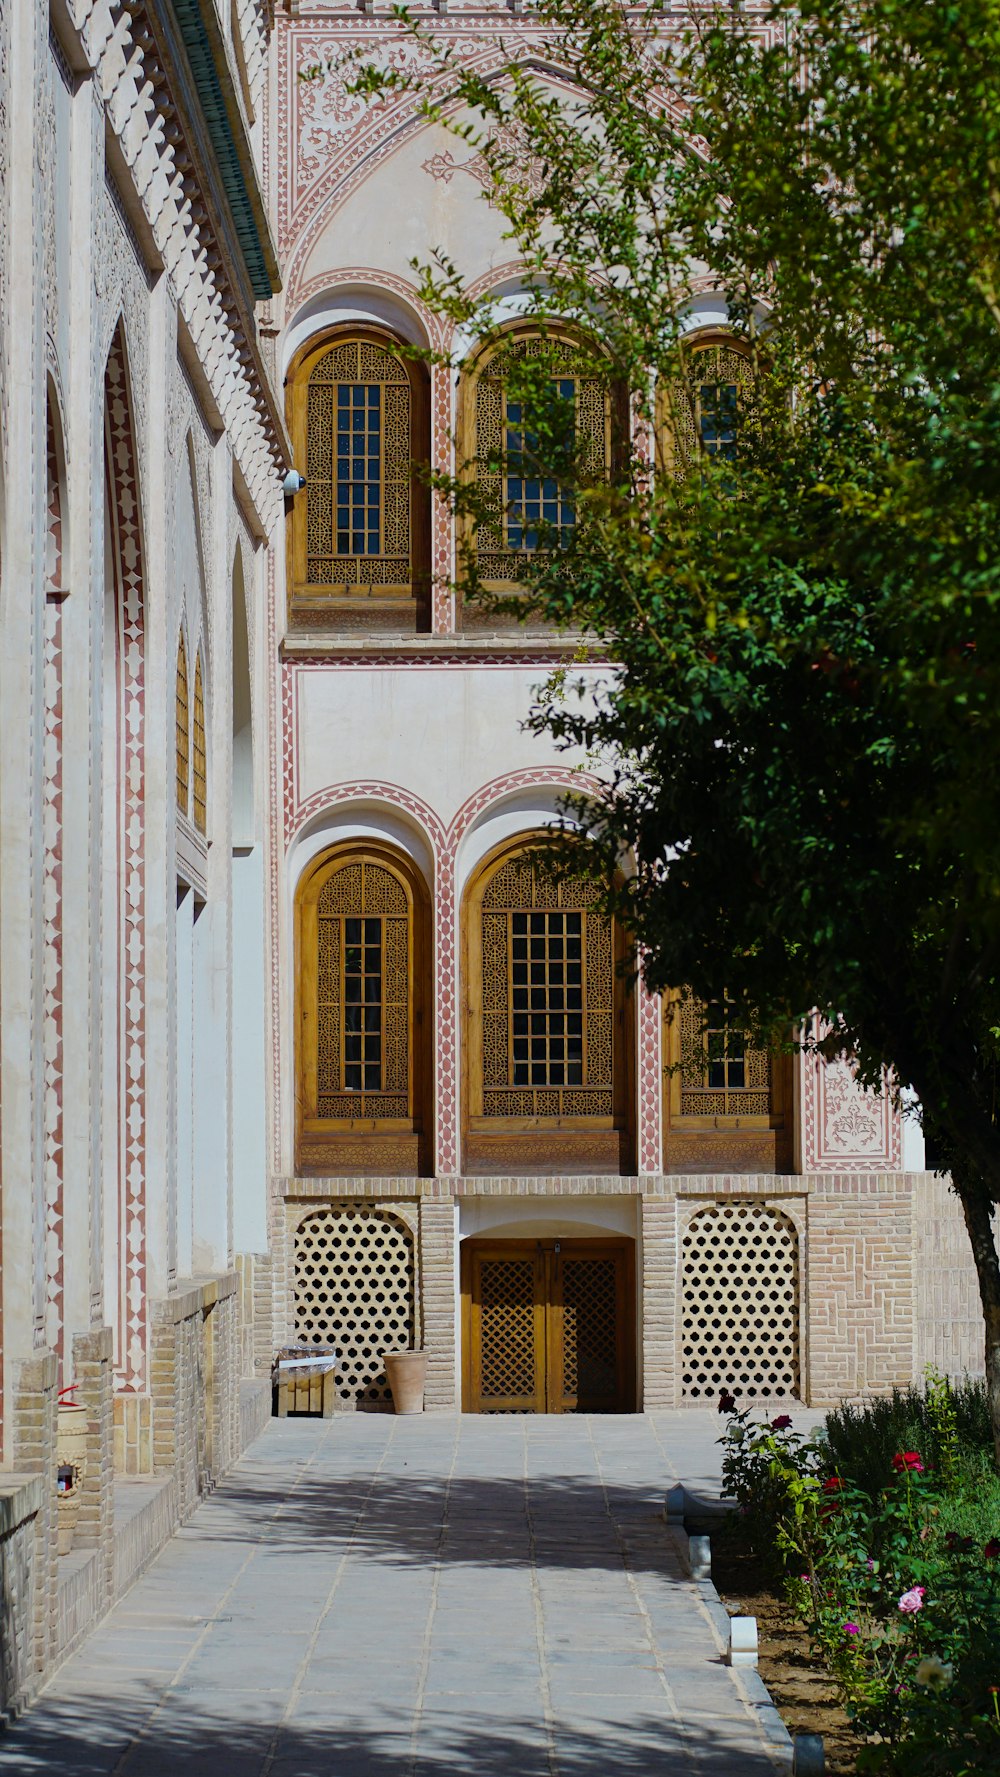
(885, 1279)
(189, 1429)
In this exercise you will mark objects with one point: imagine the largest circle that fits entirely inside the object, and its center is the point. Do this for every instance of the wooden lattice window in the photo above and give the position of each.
(532, 510)
(358, 414)
(359, 970)
(199, 759)
(718, 1085)
(182, 731)
(701, 414)
(546, 1045)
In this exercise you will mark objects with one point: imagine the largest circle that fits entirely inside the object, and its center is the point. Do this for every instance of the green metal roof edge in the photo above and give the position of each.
(259, 262)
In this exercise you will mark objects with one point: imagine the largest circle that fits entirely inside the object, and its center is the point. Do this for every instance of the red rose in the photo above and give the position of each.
(907, 1460)
(991, 1550)
(727, 1402)
(833, 1484)
(782, 1422)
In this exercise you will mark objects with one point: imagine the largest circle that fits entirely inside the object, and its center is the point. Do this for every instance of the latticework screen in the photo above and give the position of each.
(358, 471)
(740, 1285)
(531, 509)
(182, 741)
(705, 409)
(721, 1074)
(354, 1289)
(199, 759)
(590, 1328)
(363, 995)
(547, 997)
(507, 1310)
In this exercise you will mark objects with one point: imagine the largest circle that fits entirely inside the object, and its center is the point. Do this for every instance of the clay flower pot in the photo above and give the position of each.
(407, 1373)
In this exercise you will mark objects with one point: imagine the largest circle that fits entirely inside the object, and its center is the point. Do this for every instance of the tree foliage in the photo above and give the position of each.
(802, 730)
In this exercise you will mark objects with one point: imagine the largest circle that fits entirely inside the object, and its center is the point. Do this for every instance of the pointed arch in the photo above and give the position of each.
(52, 864)
(124, 830)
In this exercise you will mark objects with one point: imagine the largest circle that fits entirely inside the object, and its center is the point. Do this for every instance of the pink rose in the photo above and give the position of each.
(912, 1600)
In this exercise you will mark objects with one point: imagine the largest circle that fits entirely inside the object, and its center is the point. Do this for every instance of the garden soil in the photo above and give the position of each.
(799, 1684)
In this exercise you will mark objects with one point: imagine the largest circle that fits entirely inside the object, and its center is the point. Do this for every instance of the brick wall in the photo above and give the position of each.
(35, 1454)
(19, 1507)
(948, 1322)
(436, 1299)
(859, 1285)
(657, 1283)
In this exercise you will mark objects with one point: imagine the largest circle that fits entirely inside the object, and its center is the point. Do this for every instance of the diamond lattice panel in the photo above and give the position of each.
(741, 1303)
(354, 1278)
(507, 1307)
(590, 1328)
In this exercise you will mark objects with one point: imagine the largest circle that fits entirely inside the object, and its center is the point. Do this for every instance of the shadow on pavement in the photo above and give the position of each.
(183, 1740)
(559, 1522)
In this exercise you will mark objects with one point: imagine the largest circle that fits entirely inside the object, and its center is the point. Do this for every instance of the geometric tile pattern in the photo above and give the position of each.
(129, 940)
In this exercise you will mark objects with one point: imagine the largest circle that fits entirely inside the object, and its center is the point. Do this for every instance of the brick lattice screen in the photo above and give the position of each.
(354, 1288)
(740, 1303)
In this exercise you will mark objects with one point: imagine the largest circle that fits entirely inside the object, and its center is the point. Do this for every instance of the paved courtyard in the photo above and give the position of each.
(379, 1597)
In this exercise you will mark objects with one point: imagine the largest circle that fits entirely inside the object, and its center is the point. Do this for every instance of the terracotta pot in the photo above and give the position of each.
(71, 1436)
(71, 1455)
(407, 1373)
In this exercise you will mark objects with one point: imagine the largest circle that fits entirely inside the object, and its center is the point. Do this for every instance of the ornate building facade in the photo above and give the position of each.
(297, 1040)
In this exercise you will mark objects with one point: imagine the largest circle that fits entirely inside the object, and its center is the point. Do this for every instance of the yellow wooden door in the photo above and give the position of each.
(548, 1327)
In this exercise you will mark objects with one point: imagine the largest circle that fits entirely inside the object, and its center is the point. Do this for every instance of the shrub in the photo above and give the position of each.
(893, 1561)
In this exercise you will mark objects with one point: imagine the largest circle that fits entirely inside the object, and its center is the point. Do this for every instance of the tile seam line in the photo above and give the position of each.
(641, 1603)
(143, 1734)
(425, 1659)
(296, 1690)
(552, 1754)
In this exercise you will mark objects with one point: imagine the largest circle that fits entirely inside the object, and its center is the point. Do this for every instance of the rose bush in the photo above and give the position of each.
(903, 1607)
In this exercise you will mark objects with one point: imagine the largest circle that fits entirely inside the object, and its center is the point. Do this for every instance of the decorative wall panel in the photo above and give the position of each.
(354, 1289)
(740, 1315)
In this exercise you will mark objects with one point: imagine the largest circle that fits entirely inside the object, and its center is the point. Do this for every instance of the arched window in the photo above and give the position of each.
(531, 510)
(199, 757)
(358, 539)
(726, 1105)
(182, 730)
(361, 943)
(548, 1049)
(701, 413)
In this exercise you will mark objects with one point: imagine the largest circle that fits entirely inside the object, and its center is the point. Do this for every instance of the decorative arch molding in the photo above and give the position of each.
(365, 279)
(128, 556)
(52, 863)
(363, 1061)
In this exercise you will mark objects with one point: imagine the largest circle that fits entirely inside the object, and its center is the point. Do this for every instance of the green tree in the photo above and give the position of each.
(802, 728)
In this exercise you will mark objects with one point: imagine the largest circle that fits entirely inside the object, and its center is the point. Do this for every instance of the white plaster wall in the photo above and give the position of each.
(441, 732)
(546, 1218)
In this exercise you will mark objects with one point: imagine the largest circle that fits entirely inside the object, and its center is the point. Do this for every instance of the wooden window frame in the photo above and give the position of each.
(476, 366)
(538, 1145)
(671, 457)
(199, 751)
(724, 1143)
(405, 608)
(360, 1146)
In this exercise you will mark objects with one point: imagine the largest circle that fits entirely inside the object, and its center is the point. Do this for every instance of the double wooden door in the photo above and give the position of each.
(548, 1326)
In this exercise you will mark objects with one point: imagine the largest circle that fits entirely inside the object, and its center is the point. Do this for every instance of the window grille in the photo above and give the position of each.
(199, 758)
(354, 1289)
(705, 409)
(721, 1075)
(547, 997)
(362, 995)
(532, 510)
(182, 740)
(358, 470)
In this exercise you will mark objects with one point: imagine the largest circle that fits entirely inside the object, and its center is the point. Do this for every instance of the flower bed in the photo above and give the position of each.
(896, 1575)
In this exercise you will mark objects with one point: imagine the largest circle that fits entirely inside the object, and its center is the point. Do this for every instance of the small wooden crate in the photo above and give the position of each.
(312, 1391)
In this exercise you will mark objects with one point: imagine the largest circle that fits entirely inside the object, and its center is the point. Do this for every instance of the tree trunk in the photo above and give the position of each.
(979, 1222)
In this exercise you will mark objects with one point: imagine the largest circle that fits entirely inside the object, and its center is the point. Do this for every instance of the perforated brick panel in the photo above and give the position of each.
(354, 1288)
(740, 1303)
